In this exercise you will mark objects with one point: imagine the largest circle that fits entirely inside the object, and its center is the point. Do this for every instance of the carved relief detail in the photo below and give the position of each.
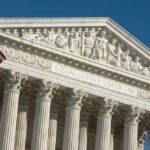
(15, 80)
(133, 114)
(107, 107)
(25, 57)
(76, 97)
(94, 43)
(46, 90)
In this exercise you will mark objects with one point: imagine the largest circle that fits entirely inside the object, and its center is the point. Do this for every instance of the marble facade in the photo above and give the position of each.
(72, 84)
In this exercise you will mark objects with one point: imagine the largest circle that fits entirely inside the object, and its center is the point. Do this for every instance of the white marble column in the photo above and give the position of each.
(104, 125)
(41, 118)
(71, 131)
(112, 140)
(52, 133)
(21, 130)
(83, 135)
(131, 129)
(9, 110)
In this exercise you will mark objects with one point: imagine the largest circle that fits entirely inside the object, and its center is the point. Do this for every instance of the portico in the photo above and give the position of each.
(56, 94)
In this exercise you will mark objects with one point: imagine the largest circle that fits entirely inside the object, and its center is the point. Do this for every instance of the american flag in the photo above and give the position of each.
(2, 57)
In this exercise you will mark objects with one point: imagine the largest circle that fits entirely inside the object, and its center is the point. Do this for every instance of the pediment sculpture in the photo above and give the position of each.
(91, 43)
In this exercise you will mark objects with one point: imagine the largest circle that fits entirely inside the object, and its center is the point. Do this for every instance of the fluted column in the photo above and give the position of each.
(83, 135)
(131, 129)
(41, 119)
(21, 130)
(112, 140)
(9, 110)
(104, 125)
(52, 133)
(71, 131)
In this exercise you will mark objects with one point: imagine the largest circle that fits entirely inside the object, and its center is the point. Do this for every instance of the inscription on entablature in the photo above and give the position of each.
(38, 61)
(99, 81)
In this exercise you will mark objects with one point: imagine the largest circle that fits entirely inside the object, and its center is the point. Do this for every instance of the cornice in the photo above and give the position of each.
(71, 22)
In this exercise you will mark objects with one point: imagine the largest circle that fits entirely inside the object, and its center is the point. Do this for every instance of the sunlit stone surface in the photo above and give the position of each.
(73, 84)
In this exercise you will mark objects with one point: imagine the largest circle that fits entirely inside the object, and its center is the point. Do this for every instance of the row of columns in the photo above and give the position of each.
(45, 129)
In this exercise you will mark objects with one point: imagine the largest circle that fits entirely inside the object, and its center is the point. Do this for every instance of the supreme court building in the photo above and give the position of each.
(72, 84)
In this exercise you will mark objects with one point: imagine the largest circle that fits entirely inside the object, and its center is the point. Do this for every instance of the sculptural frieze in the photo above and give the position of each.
(97, 44)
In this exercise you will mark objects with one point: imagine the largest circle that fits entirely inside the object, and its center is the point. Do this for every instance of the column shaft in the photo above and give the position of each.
(9, 109)
(71, 131)
(41, 119)
(131, 128)
(52, 133)
(8, 120)
(103, 133)
(21, 129)
(83, 136)
(41, 124)
(130, 136)
(104, 124)
(112, 141)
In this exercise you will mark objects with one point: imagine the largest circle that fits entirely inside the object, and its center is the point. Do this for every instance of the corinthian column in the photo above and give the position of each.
(112, 140)
(71, 131)
(52, 133)
(131, 129)
(83, 135)
(9, 110)
(104, 125)
(21, 129)
(41, 119)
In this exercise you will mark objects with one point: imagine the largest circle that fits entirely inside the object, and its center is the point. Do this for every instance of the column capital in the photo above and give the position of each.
(46, 90)
(133, 114)
(107, 107)
(76, 97)
(14, 80)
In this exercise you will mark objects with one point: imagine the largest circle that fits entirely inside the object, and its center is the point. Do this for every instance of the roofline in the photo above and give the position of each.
(70, 21)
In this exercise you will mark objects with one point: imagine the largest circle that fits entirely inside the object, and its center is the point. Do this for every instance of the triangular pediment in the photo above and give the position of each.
(99, 40)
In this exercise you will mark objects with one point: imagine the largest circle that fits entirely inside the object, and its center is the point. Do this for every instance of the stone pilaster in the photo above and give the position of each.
(9, 109)
(42, 114)
(104, 124)
(83, 135)
(52, 133)
(131, 129)
(71, 131)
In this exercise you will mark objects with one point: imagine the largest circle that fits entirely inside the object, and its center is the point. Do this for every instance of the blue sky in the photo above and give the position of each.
(133, 15)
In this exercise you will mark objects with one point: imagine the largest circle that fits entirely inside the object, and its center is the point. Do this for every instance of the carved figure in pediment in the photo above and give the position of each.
(136, 65)
(51, 37)
(112, 53)
(125, 60)
(74, 43)
(146, 71)
(61, 40)
(88, 43)
(118, 55)
(28, 36)
(100, 46)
